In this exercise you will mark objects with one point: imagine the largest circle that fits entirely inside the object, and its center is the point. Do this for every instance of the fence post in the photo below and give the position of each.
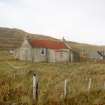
(35, 90)
(89, 84)
(65, 89)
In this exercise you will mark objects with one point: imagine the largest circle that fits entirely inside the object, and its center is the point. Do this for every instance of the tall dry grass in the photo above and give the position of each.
(16, 83)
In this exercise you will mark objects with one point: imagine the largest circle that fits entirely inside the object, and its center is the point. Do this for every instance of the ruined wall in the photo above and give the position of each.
(59, 55)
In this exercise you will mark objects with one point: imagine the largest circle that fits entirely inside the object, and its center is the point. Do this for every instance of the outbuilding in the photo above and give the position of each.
(43, 50)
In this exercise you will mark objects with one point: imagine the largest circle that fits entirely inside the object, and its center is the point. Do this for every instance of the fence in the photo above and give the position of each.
(41, 88)
(66, 88)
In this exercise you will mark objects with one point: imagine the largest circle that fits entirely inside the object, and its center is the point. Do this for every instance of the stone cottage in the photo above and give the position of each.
(44, 50)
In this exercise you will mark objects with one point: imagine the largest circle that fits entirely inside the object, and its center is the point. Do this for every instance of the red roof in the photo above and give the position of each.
(48, 44)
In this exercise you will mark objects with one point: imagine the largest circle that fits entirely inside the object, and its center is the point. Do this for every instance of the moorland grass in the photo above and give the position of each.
(16, 83)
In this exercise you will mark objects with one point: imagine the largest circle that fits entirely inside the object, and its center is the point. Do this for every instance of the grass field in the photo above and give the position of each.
(16, 82)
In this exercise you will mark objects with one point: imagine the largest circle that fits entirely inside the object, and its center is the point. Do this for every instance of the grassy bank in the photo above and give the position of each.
(16, 83)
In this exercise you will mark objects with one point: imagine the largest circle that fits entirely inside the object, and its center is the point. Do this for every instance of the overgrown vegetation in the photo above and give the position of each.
(16, 82)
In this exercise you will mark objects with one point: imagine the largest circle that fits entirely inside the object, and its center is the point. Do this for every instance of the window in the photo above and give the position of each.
(43, 51)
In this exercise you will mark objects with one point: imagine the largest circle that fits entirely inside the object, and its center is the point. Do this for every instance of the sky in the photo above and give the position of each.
(75, 20)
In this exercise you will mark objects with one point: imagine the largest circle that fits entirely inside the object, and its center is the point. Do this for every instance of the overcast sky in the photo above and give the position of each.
(76, 20)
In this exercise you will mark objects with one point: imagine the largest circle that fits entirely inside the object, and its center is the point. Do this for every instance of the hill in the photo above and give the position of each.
(12, 38)
(87, 47)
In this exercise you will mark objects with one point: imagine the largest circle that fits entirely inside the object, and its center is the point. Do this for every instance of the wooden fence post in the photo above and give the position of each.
(89, 84)
(65, 89)
(65, 92)
(35, 90)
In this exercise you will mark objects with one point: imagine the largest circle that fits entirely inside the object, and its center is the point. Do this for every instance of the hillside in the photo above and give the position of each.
(87, 47)
(12, 38)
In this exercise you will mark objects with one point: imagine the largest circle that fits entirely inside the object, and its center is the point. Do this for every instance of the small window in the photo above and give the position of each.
(43, 51)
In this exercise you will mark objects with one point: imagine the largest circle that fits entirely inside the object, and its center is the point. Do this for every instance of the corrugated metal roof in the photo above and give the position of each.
(43, 43)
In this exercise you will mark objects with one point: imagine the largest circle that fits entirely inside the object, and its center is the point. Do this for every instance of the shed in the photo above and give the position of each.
(43, 50)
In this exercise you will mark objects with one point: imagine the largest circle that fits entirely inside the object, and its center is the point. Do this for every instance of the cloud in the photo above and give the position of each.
(10, 1)
(79, 20)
